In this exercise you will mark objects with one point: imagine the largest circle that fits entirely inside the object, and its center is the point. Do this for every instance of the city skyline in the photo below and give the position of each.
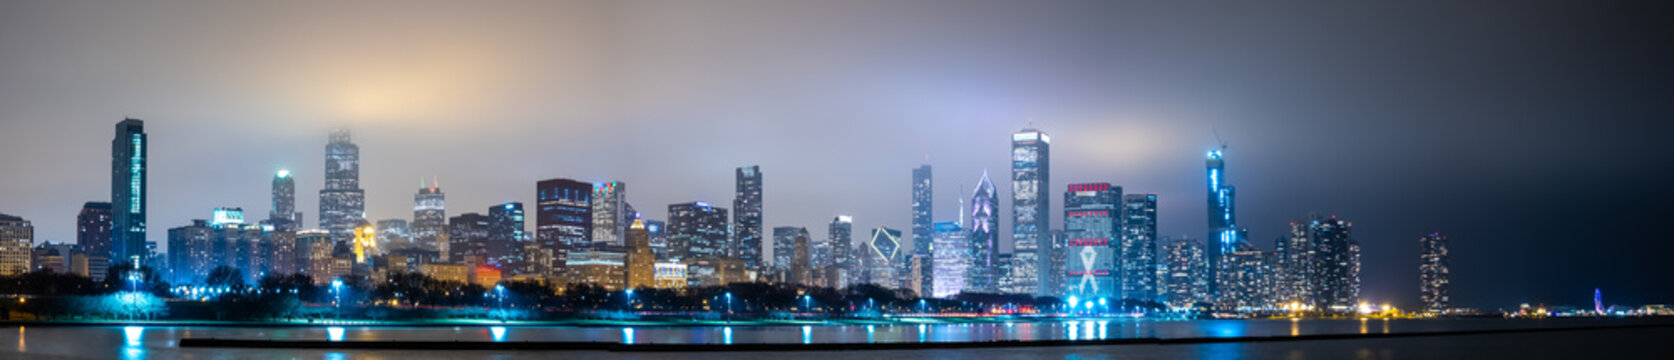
(865, 175)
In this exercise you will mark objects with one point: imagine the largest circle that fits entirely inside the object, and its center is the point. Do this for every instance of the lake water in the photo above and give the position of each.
(132, 342)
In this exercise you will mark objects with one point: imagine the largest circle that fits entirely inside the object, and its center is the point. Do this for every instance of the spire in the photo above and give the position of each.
(421, 183)
(961, 206)
(435, 182)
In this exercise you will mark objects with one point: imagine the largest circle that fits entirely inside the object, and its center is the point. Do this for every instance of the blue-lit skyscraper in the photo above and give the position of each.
(1091, 227)
(505, 236)
(696, 231)
(1223, 225)
(1031, 210)
(951, 258)
(922, 232)
(985, 239)
(563, 221)
(127, 192)
(283, 216)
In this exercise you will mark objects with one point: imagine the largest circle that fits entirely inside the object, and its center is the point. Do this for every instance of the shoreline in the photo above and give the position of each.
(619, 347)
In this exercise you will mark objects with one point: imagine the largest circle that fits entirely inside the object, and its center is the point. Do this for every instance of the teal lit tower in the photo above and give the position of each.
(127, 192)
(1223, 233)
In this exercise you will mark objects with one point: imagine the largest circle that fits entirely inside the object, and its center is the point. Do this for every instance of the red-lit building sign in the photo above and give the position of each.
(1099, 213)
(1088, 242)
(1088, 187)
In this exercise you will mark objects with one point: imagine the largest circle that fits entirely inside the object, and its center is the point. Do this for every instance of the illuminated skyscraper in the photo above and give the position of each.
(468, 238)
(127, 192)
(93, 230)
(283, 216)
(1223, 228)
(1091, 228)
(1031, 209)
(883, 258)
(1293, 264)
(394, 234)
(840, 235)
(746, 218)
(1432, 272)
(696, 231)
(563, 220)
(17, 242)
(1335, 264)
(923, 210)
(342, 202)
(1139, 247)
(784, 246)
(505, 237)
(658, 237)
(610, 214)
(1187, 270)
(640, 262)
(985, 239)
(952, 259)
(430, 217)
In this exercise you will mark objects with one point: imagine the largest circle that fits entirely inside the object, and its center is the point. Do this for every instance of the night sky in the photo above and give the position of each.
(1532, 135)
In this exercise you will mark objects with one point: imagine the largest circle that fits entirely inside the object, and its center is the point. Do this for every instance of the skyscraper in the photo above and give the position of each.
(985, 238)
(952, 259)
(1335, 264)
(127, 192)
(563, 219)
(1223, 228)
(342, 202)
(93, 230)
(1187, 272)
(746, 217)
(1432, 272)
(640, 261)
(505, 237)
(17, 242)
(610, 214)
(1139, 247)
(430, 217)
(883, 258)
(801, 264)
(784, 246)
(283, 215)
(654, 230)
(394, 234)
(922, 210)
(1031, 209)
(840, 234)
(468, 238)
(1091, 229)
(1294, 261)
(696, 231)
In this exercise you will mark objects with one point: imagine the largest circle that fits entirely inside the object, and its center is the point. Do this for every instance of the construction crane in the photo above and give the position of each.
(1218, 137)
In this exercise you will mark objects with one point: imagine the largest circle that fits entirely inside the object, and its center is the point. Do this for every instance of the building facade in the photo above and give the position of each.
(696, 231)
(128, 192)
(1138, 249)
(93, 230)
(641, 261)
(342, 202)
(563, 220)
(984, 272)
(17, 242)
(1031, 210)
(283, 215)
(505, 237)
(883, 258)
(951, 259)
(1091, 231)
(610, 209)
(1223, 229)
(1432, 272)
(1186, 267)
(746, 218)
(430, 217)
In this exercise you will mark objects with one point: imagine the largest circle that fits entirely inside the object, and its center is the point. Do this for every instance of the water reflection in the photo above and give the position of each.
(1072, 330)
(1295, 326)
(870, 336)
(627, 335)
(132, 334)
(498, 332)
(726, 335)
(923, 332)
(22, 346)
(334, 333)
(807, 334)
(1226, 328)
(1104, 328)
(1362, 325)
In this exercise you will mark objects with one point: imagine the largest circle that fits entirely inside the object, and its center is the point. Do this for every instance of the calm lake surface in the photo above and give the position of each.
(160, 342)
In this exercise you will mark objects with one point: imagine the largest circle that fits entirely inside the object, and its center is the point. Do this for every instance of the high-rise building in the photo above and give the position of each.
(1223, 224)
(1245, 280)
(365, 243)
(982, 275)
(283, 216)
(93, 230)
(1091, 229)
(1139, 247)
(394, 234)
(883, 257)
(696, 231)
(430, 217)
(563, 219)
(952, 259)
(801, 265)
(505, 236)
(1293, 263)
(1335, 264)
(1432, 272)
(127, 192)
(225, 240)
(784, 246)
(1060, 261)
(1187, 269)
(342, 202)
(840, 233)
(610, 214)
(1031, 209)
(746, 217)
(468, 238)
(923, 210)
(641, 261)
(655, 231)
(17, 240)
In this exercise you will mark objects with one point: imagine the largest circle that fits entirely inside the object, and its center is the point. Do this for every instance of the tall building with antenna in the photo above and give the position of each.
(1031, 210)
(430, 216)
(342, 202)
(1223, 228)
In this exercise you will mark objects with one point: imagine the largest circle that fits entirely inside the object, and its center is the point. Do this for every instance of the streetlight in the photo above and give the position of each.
(630, 300)
(729, 306)
(500, 293)
(337, 291)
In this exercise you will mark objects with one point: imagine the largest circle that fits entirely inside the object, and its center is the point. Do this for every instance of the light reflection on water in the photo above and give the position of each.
(627, 335)
(334, 333)
(499, 333)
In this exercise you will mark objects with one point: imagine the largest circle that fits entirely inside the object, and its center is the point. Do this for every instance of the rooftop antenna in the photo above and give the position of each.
(435, 182)
(1218, 137)
(961, 198)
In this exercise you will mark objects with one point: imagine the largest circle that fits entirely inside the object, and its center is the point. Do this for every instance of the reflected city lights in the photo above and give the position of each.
(870, 336)
(498, 332)
(923, 332)
(133, 334)
(807, 334)
(726, 335)
(627, 335)
(1074, 332)
(334, 333)
(1104, 329)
